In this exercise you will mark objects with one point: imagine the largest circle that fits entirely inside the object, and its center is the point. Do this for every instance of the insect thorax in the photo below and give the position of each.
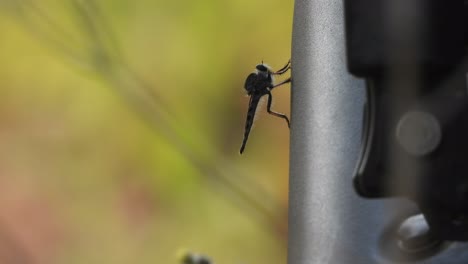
(258, 82)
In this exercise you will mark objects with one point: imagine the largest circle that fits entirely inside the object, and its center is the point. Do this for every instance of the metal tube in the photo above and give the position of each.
(328, 222)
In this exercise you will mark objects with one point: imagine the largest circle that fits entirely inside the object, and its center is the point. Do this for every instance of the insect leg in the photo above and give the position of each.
(270, 99)
(284, 69)
(254, 99)
(288, 80)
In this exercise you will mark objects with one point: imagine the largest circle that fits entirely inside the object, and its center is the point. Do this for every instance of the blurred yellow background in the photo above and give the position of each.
(120, 128)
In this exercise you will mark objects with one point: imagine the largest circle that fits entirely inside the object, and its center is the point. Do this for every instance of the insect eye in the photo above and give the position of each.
(262, 68)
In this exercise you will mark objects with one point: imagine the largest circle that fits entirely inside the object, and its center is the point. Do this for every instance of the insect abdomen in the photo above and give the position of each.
(250, 119)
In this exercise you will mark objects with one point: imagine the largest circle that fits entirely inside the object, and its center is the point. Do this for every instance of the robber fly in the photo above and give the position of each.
(258, 84)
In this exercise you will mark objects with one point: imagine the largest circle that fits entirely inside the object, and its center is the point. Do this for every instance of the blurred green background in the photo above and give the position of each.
(120, 128)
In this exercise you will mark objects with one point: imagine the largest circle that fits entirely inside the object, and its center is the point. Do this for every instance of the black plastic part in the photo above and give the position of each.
(377, 30)
(438, 181)
(413, 56)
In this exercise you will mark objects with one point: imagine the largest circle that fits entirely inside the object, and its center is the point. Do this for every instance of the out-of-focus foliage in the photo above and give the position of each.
(120, 126)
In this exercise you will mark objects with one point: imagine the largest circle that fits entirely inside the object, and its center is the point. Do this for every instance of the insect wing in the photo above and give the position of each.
(250, 83)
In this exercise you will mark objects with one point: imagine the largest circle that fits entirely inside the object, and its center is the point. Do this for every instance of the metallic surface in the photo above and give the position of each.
(328, 222)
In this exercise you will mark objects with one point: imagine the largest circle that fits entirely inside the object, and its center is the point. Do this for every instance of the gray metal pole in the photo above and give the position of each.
(328, 222)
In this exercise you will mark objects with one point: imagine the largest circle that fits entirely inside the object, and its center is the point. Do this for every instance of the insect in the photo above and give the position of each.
(258, 84)
(192, 258)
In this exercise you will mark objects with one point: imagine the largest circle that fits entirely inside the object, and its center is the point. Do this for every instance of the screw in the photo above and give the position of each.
(414, 235)
(419, 133)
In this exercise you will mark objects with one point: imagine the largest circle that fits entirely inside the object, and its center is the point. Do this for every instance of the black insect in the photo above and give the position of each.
(258, 84)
